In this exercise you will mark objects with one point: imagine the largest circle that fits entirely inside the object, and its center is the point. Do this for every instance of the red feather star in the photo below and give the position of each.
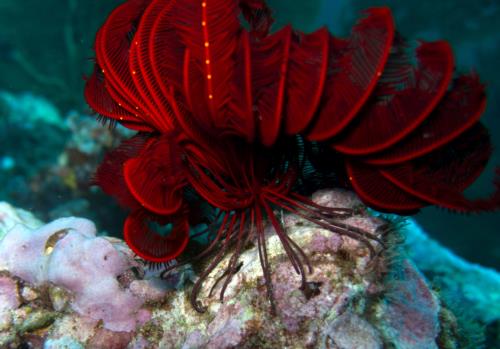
(231, 114)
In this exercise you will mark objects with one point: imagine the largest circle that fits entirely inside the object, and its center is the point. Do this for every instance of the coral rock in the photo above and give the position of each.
(92, 293)
(9, 294)
(351, 331)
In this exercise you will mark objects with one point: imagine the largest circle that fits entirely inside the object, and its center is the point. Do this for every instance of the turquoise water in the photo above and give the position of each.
(46, 160)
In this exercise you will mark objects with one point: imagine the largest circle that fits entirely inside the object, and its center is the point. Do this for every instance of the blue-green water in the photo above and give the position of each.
(45, 49)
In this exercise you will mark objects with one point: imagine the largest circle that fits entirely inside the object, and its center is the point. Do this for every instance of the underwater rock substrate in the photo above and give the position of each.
(62, 286)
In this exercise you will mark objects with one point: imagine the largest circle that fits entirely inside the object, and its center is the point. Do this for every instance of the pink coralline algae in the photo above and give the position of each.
(410, 311)
(67, 253)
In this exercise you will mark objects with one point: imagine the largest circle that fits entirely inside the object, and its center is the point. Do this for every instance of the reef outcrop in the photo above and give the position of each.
(63, 286)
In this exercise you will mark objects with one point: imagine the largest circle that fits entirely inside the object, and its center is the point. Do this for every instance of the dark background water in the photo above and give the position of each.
(45, 48)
